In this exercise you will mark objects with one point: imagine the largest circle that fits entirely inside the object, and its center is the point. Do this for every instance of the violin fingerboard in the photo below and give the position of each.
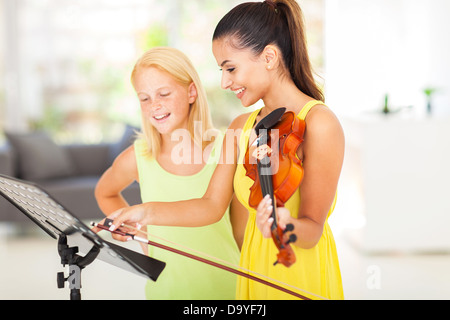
(265, 176)
(267, 187)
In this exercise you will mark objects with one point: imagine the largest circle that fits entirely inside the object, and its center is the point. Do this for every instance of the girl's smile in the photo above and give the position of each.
(164, 101)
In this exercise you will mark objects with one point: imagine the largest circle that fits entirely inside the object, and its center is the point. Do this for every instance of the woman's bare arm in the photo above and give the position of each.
(194, 212)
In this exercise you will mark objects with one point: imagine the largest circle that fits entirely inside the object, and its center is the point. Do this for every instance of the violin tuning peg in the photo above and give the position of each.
(292, 238)
(289, 227)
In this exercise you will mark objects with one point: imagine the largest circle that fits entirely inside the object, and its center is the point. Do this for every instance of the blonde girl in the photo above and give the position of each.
(172, 161)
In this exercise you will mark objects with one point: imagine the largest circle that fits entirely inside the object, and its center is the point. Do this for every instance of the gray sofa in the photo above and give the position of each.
(68, 173)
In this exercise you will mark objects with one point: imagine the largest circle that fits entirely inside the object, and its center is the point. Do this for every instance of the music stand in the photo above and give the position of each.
(73, 236)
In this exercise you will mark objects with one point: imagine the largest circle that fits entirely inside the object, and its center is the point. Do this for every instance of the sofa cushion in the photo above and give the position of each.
(89, 159)
(77, 195)
(7, 163)
(128, 137)
(39, 157)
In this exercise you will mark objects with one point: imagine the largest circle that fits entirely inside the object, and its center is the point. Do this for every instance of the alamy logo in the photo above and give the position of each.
(74, 278)
(182, 153)
(373, 281)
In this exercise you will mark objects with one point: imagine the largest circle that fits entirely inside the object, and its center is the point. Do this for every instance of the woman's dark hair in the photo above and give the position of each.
(278, 22)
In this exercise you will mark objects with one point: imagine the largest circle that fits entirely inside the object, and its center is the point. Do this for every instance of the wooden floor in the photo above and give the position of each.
(29, 264)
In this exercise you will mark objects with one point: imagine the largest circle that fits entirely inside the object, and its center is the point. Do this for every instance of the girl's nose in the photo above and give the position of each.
(150, 107)
(155, 105)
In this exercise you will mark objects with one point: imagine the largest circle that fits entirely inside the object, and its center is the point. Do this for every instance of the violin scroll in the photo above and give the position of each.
(285, 255)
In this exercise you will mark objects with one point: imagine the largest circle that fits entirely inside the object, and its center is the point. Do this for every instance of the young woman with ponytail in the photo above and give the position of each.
(261, 50)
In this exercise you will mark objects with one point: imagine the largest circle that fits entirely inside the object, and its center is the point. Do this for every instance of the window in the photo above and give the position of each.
(65, 65)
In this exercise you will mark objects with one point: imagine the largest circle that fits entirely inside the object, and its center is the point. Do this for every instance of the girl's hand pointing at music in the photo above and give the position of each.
(134, 216)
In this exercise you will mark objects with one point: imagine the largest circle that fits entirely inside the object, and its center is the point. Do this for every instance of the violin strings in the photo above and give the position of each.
(224, 262)
(267, 188)
(265, 179)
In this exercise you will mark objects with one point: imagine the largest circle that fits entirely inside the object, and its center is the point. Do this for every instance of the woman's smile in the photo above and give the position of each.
(239, 92)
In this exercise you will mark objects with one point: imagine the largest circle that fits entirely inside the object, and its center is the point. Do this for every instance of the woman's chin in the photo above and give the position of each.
(247, 103)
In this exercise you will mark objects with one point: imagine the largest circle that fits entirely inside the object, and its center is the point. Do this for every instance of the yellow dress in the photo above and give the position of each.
(316, 271)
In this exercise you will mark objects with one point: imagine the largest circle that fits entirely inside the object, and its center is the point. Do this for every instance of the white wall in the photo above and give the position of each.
(395, 47)
(374, 47)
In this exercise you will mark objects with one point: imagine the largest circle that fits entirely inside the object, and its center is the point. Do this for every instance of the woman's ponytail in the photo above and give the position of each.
(298, 61)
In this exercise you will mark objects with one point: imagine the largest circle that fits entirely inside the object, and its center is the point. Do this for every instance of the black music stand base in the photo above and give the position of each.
(76, 264)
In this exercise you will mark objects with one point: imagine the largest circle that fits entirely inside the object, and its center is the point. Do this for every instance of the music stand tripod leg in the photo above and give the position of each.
(76, 264)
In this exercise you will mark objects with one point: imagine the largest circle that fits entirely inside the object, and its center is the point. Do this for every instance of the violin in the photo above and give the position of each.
(271, 162)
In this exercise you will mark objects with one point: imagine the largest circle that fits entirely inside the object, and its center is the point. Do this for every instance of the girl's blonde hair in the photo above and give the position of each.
(179, 66)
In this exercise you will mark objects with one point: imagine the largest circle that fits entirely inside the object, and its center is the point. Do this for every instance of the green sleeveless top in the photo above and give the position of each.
(185, 278)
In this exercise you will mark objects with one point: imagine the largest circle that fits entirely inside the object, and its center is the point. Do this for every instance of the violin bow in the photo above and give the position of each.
(108, 222)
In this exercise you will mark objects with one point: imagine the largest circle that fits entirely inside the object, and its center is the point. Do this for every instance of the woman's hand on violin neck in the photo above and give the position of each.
(264, 220)
(307, 231)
